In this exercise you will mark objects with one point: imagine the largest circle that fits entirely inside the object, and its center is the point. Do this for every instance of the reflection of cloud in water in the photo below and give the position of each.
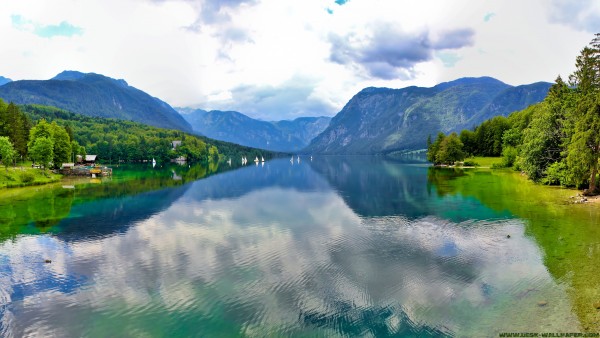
(275, 260)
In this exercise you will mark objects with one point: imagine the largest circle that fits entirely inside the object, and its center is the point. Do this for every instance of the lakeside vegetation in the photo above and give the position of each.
(555, 142)
(49, 137)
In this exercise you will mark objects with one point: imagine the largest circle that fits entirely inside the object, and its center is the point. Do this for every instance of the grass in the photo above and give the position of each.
(484, 162)
(21, 176)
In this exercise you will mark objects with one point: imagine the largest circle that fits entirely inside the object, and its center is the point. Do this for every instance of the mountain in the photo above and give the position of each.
(4, 80)
(95, 95)
(238, 128)
(383, 120)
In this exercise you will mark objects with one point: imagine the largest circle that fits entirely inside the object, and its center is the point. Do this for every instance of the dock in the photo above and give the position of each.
(96, 171)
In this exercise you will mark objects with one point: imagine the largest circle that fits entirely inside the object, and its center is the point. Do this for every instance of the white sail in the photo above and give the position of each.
(256, 159)
(262, 159)
(153, 162)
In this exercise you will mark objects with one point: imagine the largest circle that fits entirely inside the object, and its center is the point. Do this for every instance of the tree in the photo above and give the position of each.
(62, 145)
(434, 147)
(468, 138)
(450, 150)
(41, 151)
(213, 153)
(542, 140)
(583, 122)
(41, 129)
(17, 128)
(7, 152)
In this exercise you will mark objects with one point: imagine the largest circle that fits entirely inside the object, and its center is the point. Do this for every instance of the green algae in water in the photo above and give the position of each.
(568, 234)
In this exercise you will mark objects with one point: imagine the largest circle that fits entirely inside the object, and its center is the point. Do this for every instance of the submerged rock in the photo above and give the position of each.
(542, 303)
(48, 261)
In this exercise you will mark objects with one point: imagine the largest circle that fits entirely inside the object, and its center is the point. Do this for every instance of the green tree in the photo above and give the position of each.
(583, 122)
(17, 125)
(3, 119)
(450, 150)
(468, 138)
(7, 152)
(41, 129)
(213, 153)
(41, 151)
(433, 148)
(62, 145)
(542, 141)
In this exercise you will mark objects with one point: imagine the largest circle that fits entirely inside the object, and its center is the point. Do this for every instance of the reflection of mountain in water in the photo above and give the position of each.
(112, 215)
(276, 173)
(372, 186)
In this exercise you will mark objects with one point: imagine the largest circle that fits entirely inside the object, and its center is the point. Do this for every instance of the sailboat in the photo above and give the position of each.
(311, 158)
(256, 159)
(262, 159)
(298, 158)
(229, 162)
(153, 162)
(292, 159)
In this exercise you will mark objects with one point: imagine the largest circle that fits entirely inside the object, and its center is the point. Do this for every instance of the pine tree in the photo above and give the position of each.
(583, 122)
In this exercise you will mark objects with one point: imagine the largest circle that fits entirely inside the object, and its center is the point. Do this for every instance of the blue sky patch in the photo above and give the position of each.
(489, 16)
(45, 31)
(448, 59)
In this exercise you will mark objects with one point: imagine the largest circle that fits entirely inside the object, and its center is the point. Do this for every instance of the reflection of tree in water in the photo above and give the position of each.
(439, 178)
(50, 207)
(45, 207)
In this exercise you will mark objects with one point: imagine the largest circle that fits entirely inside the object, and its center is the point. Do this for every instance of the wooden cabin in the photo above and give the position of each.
(90, 159)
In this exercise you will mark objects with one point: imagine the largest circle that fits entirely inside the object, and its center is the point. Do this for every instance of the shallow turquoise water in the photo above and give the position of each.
(340, 246)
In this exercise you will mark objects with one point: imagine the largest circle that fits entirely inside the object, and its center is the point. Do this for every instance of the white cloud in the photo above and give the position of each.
(200, 52)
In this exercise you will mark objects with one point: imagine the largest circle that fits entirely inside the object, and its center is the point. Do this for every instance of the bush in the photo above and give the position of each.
(509, 155)
(27, 176)
(470, 164)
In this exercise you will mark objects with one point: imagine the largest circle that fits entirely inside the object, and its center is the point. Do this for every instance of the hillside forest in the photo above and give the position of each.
(556, 141)
(50, 137)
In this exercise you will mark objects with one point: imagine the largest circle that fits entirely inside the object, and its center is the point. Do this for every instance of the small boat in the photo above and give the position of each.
(262, 159)
(153, 162)
(298, 158)
(311, 158)
(256, 159)
(229, 162)
(292, 160)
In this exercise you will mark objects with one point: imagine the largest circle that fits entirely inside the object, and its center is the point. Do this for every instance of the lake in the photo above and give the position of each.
(336, 246)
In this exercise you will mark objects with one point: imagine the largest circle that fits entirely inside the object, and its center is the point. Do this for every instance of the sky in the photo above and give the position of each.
(282, 59)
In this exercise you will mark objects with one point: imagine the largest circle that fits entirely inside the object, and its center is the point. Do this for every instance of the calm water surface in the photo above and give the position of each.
(334, 247)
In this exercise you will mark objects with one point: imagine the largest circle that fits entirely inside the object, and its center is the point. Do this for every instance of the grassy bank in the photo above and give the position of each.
(484, 162)
(25, 176)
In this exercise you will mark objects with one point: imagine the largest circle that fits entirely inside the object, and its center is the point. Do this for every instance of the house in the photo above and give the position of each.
(90, 159)
(67, 166)
(175, 144)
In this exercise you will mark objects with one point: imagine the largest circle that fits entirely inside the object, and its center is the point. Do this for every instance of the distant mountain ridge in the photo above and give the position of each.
(4, 80)
(95, 95)
(382, 120)
(232, 126)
